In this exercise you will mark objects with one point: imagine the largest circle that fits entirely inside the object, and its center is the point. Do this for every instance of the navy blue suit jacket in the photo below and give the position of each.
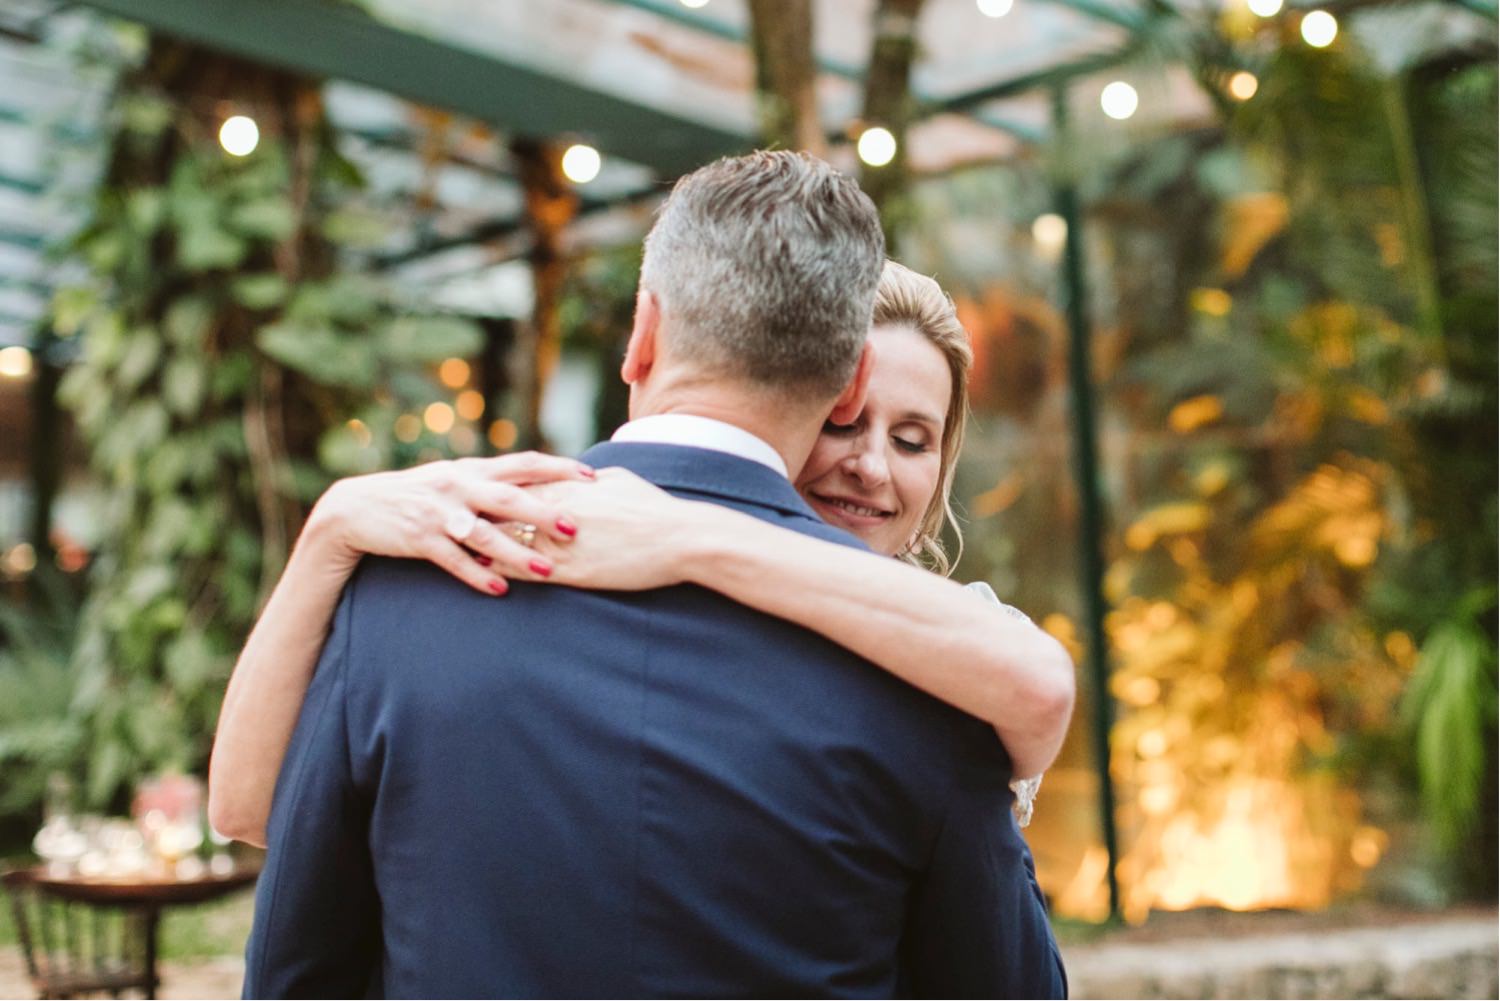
(662, 793)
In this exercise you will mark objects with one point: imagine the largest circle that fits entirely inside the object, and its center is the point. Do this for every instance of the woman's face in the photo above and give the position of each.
(876, 477)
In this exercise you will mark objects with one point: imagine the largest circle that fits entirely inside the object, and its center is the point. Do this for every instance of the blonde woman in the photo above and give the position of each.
(885, 478)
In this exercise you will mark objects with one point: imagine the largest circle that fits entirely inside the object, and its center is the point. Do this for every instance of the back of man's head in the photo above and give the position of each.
(765, 269)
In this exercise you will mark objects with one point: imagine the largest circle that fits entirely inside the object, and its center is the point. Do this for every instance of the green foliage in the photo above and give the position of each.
(38, 732)
(224, 358)
(1450, 708)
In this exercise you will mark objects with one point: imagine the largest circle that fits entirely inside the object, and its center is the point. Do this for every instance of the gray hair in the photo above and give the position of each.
(765, 266)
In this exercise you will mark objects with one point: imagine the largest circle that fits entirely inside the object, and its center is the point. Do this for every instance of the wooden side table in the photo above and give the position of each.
(72, 962)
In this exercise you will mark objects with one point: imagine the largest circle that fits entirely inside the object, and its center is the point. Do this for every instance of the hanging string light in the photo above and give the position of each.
(15, 362)
(876, 147)
(1265, 8)
(580, 163)
(1319, 29)
(1119, 100)
(994, 8)
(239, 135)
(1243, 85)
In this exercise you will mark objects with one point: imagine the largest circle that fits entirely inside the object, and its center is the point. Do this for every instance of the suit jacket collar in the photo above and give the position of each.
(703, 471)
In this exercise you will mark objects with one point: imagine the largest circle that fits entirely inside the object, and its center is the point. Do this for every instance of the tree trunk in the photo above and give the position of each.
(786, 98)
(551, 203)
(888, 104)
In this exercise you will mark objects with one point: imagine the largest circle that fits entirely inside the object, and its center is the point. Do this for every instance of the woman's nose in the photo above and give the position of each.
(867, 465)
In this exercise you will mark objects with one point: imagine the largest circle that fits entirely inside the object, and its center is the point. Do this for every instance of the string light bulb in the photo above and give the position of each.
(876, 147)
(694, 4)
(1265, 8)
(580, 163)
(1119, 100)
(1050, 231)
(239, 135)
(994, 8)
(15, 362)
(1319, 29)
(1243, 85)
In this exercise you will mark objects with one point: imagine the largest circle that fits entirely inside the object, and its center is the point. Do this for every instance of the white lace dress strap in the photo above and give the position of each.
(1025, 789)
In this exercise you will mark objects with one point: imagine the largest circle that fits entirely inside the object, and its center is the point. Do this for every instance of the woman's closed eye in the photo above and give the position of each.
(914, 447)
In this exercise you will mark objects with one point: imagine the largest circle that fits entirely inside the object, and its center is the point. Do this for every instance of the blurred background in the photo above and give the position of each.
(1229, 269)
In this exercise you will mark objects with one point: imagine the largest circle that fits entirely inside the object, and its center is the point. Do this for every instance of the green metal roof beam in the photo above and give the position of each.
(670, 10)
(1033, 81)
(330, 40)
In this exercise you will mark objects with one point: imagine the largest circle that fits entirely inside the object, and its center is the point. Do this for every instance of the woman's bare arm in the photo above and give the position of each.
(404, 514)
(927, 630)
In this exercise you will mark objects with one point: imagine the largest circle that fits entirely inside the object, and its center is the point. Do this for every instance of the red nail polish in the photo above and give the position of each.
(541, 568)
(566, 527)
(498, 587)
(587, 471)
(482, 560)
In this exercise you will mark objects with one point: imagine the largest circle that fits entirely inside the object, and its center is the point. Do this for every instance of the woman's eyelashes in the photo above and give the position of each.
(912, 447)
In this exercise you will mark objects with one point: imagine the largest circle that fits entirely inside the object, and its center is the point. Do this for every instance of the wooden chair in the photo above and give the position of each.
(75, 949)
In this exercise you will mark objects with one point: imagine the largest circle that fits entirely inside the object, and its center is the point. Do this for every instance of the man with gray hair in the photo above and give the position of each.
(655, 793)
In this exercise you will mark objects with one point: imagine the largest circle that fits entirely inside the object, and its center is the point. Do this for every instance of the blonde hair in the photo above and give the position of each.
(906, 298)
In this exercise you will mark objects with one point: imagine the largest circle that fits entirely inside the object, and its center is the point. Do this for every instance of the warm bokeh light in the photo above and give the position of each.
(239, 135)
(580, 163)
(877, 147)
(694, 4)
(408, 428)
(1265, 8)
(15, 362)
(470, 404)
(454, 373)
(1243, 85)
(1319, 29)
(21, 559)
(438, 417)
(1050, 231)
(994, 8)
(503, 433)
(1119, 100)
(361, 432)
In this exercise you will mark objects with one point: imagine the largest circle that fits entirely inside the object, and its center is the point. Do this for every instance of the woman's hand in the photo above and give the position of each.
(447, 512)
(630, 533)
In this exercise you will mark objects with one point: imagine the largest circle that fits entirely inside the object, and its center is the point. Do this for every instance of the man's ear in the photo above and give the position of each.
(640, 353)
(852, 400)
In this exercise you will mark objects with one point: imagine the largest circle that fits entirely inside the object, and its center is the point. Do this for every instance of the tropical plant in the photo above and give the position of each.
(230, 364)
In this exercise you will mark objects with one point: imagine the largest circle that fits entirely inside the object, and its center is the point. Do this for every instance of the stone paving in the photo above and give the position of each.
(1440, 958)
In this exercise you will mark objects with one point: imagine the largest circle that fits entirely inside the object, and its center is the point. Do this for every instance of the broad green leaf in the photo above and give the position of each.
(187, 321)
(145, 115)
(270, 218)
(142, 351)
(146, 208)
(262, 291)
(208, 248)
(425, 339)
(320, 353)
(183, 383)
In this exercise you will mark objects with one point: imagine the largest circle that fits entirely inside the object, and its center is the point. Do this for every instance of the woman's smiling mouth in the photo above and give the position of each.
(852, 511)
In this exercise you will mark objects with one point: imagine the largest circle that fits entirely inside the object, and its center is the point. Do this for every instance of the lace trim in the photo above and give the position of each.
(1025, 790)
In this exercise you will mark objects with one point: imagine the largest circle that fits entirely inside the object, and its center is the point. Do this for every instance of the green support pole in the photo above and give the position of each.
(46, 445)
(1085, 454)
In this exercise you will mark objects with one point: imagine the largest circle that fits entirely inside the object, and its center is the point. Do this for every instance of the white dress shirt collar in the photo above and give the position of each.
(700, 432)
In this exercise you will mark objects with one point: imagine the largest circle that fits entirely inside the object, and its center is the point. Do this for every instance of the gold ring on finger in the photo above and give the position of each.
(524, 533)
